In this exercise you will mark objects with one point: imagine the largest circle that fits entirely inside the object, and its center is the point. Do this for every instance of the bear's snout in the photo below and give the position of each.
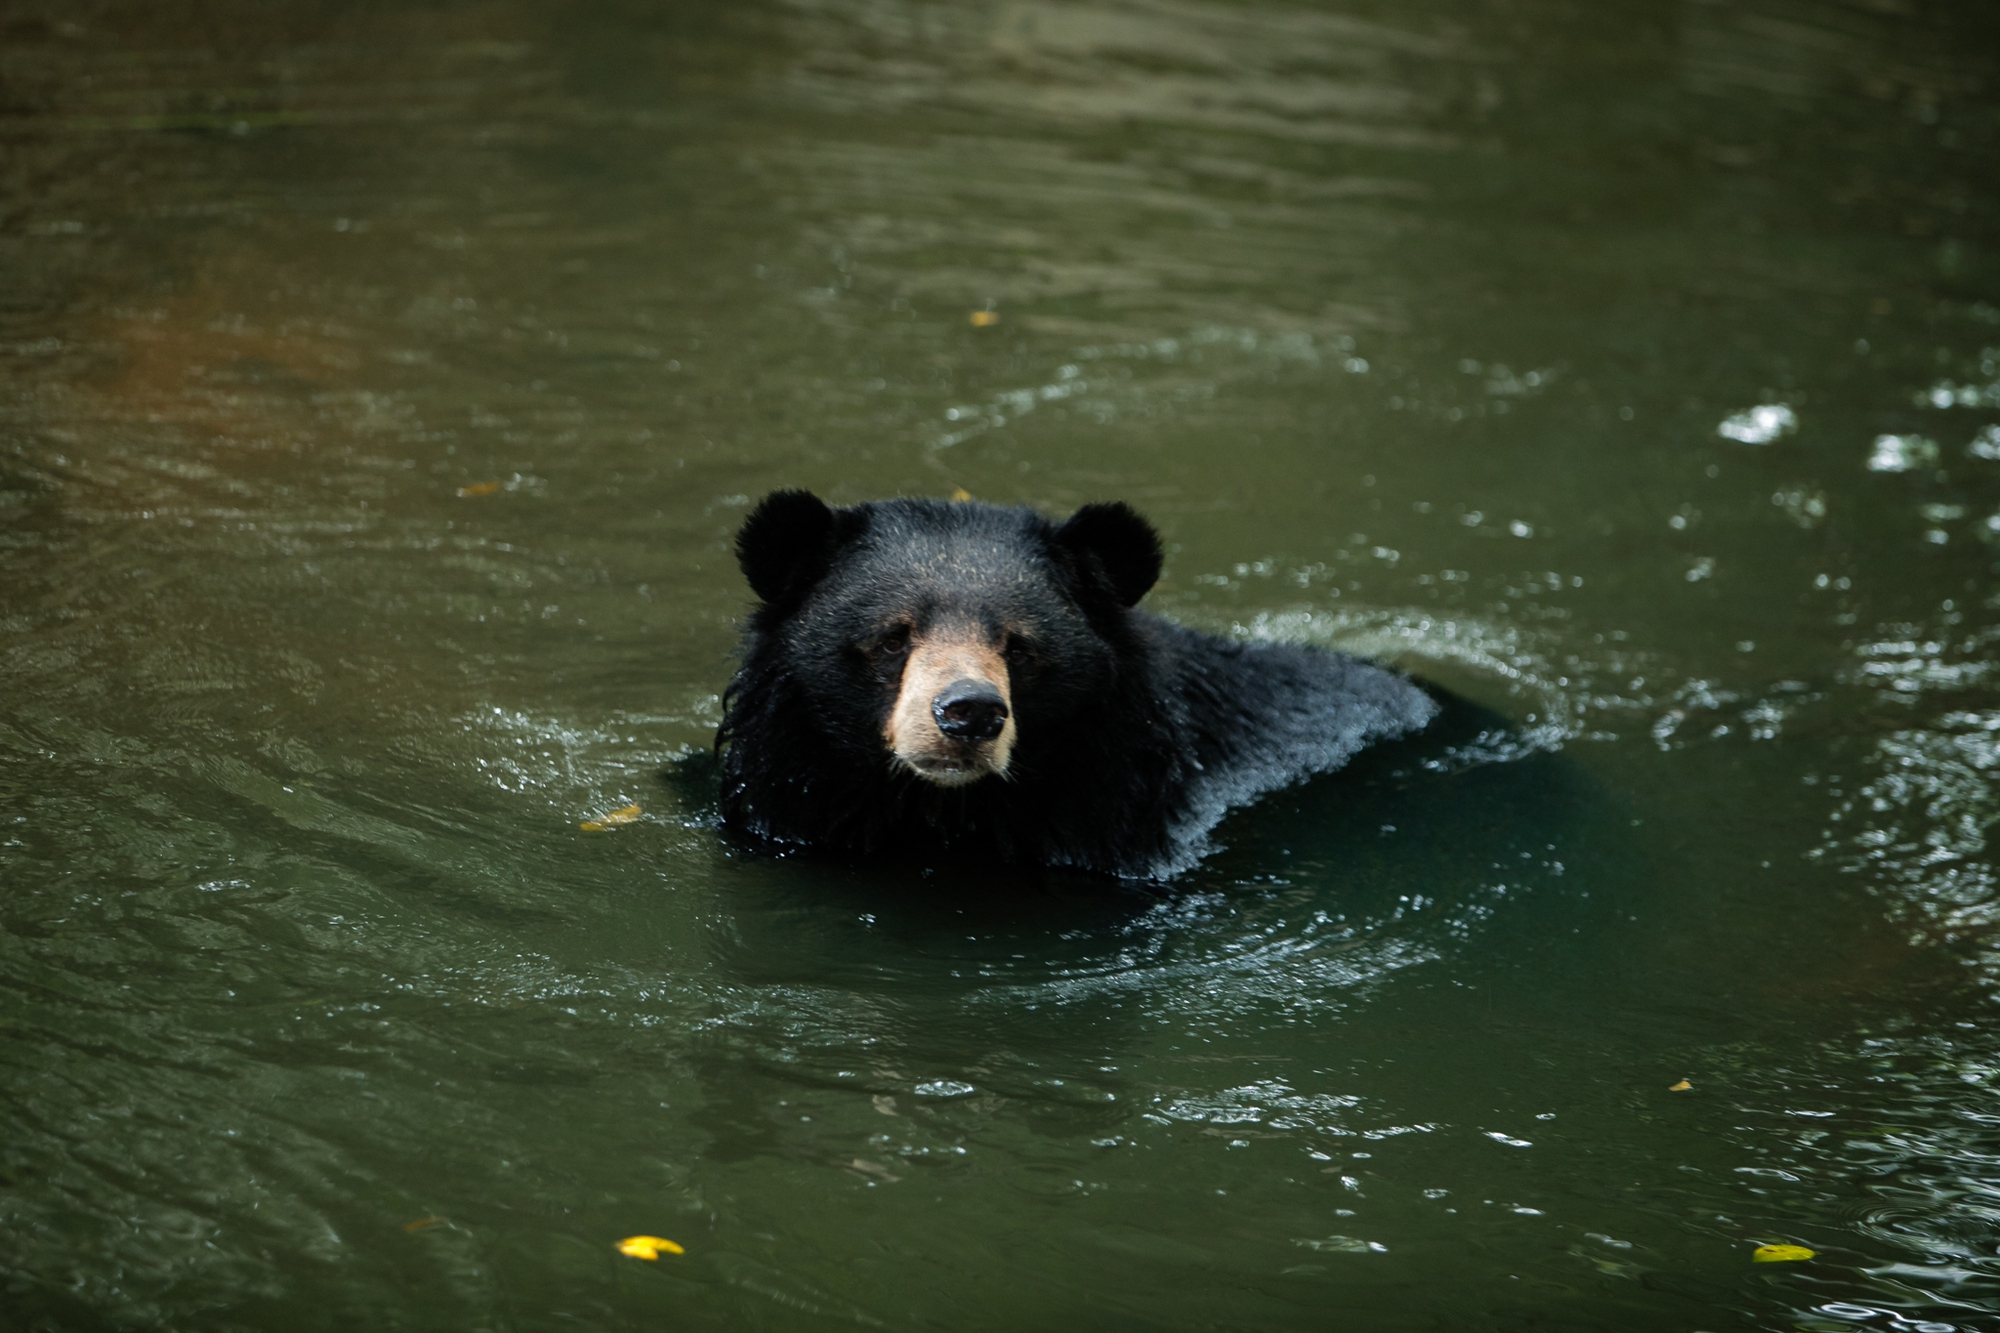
(969, 710)
(953, 719)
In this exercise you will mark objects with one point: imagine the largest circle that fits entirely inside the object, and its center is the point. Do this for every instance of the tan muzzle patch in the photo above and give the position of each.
(953, 721)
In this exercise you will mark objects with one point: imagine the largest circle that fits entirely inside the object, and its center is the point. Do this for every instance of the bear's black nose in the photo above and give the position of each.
(969, 710)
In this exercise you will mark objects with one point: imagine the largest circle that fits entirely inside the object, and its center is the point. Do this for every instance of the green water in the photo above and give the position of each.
(380, 387)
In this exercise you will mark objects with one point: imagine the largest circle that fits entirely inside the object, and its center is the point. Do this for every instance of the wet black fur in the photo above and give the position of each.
(1134, 734)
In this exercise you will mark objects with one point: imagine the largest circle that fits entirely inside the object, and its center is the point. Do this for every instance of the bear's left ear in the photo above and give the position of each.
(785, 545)
(1118, 543)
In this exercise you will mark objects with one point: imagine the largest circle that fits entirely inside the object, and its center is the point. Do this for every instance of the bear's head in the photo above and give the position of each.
(948, 640)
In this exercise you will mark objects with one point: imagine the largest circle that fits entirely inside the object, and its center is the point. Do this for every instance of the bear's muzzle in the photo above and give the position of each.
(952, 722)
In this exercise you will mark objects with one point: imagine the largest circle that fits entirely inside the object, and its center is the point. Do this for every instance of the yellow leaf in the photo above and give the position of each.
(1780, 1254)
(480, 488)
(985, 319)
(1681, 1086)
(624, 815)
(960, 495)
(647, 1247)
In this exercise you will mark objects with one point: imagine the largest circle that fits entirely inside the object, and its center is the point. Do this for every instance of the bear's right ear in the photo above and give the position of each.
(1121, 546)
(785, 545)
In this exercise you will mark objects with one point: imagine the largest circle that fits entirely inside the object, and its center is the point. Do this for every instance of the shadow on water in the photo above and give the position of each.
(1461, 841)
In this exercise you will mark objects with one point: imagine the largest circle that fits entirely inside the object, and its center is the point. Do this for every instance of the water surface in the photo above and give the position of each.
(380, 388)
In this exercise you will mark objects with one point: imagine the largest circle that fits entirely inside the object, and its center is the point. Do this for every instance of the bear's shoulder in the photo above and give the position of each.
(1259, 716)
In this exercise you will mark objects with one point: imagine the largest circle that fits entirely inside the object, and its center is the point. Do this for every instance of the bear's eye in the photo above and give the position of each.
(895, 643)
(1018, 650)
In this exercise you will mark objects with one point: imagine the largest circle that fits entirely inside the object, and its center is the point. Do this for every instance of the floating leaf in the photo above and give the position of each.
(422, 1222)
(648, 1247)
(623, 815)
(985, 319)
(1682, 1086)
(1780, 1254)
(480, 488)
(960, 495)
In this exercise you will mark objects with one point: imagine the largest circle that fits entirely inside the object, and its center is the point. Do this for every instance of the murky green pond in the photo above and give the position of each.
(380, 387)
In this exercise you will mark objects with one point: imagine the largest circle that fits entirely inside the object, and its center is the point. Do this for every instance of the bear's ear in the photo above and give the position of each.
(785, 545)
(1120, 545)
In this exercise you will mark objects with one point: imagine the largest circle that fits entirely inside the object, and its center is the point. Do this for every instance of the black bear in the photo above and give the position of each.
(928, 676)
